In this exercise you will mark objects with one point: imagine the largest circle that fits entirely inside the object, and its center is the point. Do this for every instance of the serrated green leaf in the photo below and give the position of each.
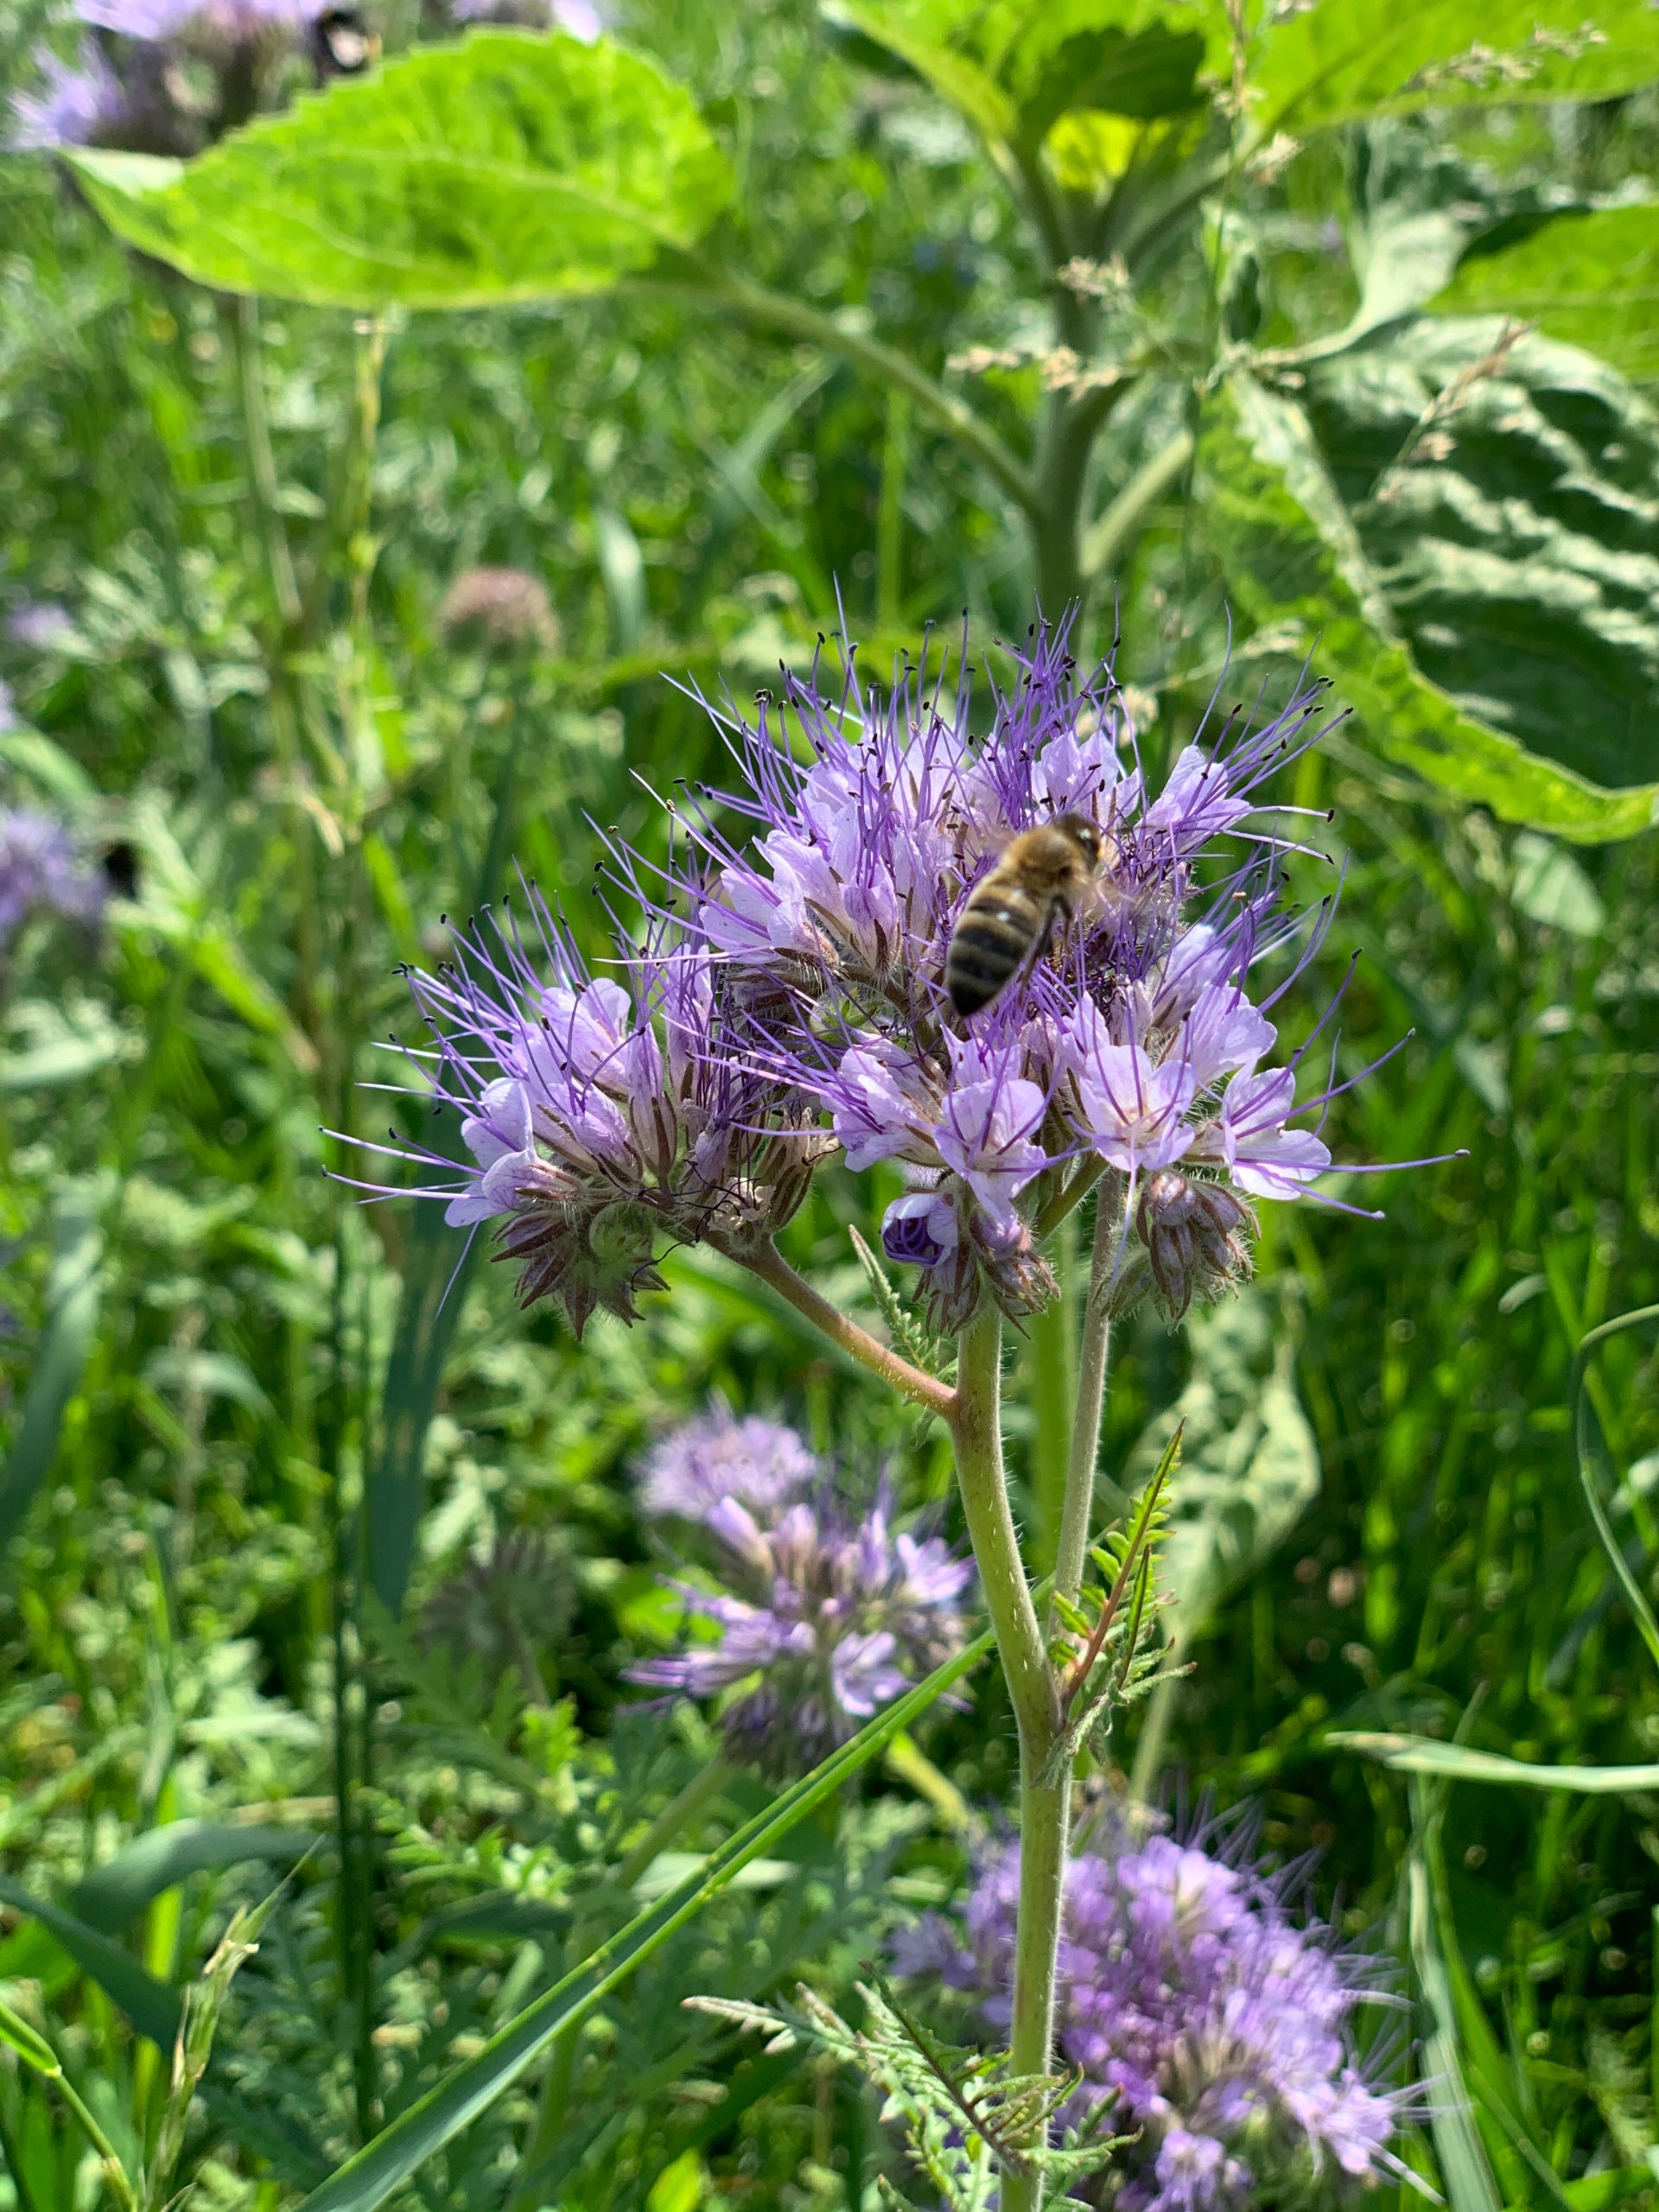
(918, 40)
(514, 165)
(1295, 564)
(1590, 277)
(1011, 69)
(1343, 59)
(1518, 541)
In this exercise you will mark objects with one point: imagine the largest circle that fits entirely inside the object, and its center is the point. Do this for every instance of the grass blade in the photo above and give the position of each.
(1635, 1596)
(1465, 2170)
(118, 1890)
(72, 1316)
(154, 2009)
(1424, 1755)
(370, 2178)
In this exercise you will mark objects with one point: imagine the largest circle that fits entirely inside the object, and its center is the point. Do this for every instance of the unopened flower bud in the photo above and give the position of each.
(1197, 1238)
(920, 1230)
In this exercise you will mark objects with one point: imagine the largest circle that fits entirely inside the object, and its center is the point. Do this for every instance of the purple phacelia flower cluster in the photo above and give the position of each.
(1215, 2028)
(825, 1613)
(39, 871)
(760, 1462)
(801, 969)
(600, 1113)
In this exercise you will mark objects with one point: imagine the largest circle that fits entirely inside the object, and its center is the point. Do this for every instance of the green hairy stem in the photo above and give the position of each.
(976, 1427)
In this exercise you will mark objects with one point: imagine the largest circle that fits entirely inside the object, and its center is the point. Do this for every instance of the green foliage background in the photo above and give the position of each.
(236, 1411)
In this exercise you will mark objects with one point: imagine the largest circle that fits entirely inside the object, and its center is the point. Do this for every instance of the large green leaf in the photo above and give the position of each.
(1343, 59)
(1517, 548)
(512, 166)
(1012, 69)
(1591, 278)
(386, 2163)
(1295, 567)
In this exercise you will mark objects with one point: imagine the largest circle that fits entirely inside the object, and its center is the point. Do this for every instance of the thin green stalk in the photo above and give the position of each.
(703, 1789)
(1093, 1356)
(795, 319)
(1107, 537)
(36, 2053)
(976, 1427)
(1053, 1335)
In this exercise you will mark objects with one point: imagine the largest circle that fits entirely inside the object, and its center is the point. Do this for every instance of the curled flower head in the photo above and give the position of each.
(697, 1466)
(598, 1117)
(39, 871)
(822, 1619)
(1215, 2025)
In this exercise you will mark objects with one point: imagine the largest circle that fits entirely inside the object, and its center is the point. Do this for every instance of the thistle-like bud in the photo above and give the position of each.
(498, 610)
(598, 1258)
(1197, 1237)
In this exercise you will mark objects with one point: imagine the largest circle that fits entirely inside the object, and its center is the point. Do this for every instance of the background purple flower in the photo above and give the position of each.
(39, 870)
(760, 1462)
(1215, 2026)
(821, 1620)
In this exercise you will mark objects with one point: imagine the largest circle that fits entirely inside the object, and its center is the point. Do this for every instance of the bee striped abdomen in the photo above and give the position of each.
(1000, 928)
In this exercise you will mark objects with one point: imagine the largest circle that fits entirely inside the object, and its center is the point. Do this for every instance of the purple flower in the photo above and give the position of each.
(38, 870)
(805, 958)
(822, 1621)
(163, 76)
(875, 817)
(920, 1230)
(697, 1466)
(41, 626)
(1216, 2027)
(83, 105)
(599, 1114)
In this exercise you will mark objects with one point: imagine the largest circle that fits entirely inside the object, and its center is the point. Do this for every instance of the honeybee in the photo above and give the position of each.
(342, 44)
(1042, 879)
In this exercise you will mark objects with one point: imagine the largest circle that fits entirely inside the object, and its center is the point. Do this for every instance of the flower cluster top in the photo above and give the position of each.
(790, 1000)
(1216, 2029)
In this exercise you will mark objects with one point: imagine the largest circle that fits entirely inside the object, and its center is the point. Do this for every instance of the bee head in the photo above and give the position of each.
(1085, 835)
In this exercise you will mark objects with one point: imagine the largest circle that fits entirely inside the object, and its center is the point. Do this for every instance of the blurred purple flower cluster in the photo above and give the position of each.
(790, 1002)
(759, 1463)
(1216, 2028)
(171, 76)
(39, 871)
(825, 1614)
(164, 76)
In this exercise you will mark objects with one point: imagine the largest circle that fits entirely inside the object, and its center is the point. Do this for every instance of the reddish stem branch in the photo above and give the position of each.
(769, 1263)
